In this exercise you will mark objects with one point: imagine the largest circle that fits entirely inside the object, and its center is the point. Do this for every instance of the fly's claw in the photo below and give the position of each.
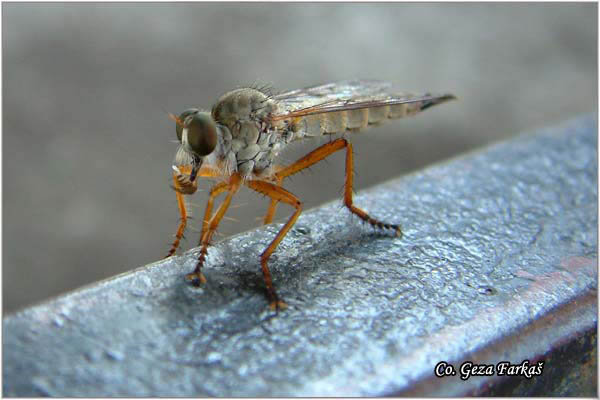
(396, 228)
(275, 303)
(278, 305)
(399, 233)
(196, 278)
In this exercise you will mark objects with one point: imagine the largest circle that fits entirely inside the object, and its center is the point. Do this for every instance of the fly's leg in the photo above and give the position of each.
(183, 186)
(214, 192)
(348, 195)
(276, 193)
(272, 206)
(311, 158)
(232, 187)
(182, 222)
(321, 153)
(197, 277)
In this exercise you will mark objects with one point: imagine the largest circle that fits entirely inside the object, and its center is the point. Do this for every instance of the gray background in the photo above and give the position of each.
(87, 144)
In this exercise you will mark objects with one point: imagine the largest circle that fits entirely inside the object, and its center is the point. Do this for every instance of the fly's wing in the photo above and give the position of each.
(347, 105)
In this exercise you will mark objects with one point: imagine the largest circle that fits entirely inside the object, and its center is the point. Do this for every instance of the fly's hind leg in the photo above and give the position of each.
(319, 154)
(348, 192)
(277, 194)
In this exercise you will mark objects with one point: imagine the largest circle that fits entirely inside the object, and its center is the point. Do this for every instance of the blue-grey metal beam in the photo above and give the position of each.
(498, 263)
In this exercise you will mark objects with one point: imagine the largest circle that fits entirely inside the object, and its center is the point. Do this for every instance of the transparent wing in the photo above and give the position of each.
(347, 105)
(347, 95)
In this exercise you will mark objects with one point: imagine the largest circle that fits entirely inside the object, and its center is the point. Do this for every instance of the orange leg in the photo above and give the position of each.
(214, 192)
(319, 154)
(276, 193)
(272, 207)
(232, 187)
(183, 186)
(182, 221)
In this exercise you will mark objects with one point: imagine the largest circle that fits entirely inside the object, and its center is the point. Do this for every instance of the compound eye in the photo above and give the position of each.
(181, 118)
(202, 133)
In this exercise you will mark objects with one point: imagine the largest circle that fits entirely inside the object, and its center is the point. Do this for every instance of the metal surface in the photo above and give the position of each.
(498, 262)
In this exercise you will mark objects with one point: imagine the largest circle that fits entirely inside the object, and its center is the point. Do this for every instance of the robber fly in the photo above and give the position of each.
(238, 141)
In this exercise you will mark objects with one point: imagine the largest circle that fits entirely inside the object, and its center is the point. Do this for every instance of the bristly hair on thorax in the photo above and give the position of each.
(265, 88)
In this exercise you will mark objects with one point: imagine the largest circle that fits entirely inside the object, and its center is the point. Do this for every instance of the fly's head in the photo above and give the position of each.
(197, 132)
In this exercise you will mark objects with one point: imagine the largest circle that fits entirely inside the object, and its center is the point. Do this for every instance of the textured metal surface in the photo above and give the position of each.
(498, 261)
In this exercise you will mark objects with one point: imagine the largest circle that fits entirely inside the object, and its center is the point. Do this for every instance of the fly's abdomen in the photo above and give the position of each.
(331, 122)
(354, 120)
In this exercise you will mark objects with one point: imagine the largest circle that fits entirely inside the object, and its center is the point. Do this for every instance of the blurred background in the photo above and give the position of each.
(87, 145)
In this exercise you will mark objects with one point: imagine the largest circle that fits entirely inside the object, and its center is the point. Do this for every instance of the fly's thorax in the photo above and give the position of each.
(254, 149)
(248, 138)
(242, 105)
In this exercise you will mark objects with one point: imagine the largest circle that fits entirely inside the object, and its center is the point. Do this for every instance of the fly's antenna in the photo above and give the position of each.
(175, 118)
(172, 116)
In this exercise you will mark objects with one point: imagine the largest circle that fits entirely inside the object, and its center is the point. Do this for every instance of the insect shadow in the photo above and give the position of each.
(237, 278)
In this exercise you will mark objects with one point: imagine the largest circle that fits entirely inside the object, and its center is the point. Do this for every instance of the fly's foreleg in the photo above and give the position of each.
(209, 228)
(197, 277)
(183, 185)
(276, 193)
(182, 222)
